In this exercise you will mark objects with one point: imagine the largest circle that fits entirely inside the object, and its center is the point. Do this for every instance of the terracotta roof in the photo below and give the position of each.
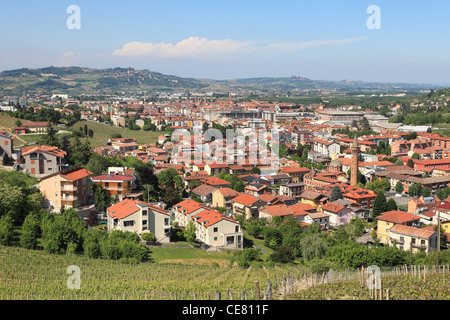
(52, 150)
(278, 210)
(188, 206)
(214, 181)
(332, 207)
(204, 189)
(245, 199)
(412, 231)
(398, 216)
(228, 192)
(77, 175)
(127, 207)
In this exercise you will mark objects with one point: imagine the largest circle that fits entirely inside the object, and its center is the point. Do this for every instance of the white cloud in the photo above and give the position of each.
(68, 54)
(202, 47)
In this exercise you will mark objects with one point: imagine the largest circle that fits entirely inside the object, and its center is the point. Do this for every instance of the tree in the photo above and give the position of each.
(97, 164)
(50, 138)
(391, 205)
(31, 230)
(415, 156)
(6, 230)
(379, 205)
(399, 187)
(313, 247)
(336, 193)
(189, 232)
(355, 228)
(410, 163)
(102, 197)
(92, 218)
(426, 192)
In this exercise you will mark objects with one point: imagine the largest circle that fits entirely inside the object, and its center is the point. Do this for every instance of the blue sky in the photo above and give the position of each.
(235, 39)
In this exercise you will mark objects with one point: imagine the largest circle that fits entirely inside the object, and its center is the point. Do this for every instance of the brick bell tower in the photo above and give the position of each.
(354, 166)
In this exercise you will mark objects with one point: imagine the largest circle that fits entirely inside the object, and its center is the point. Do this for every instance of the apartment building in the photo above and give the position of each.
(42, 160)
(139, 217)
(69, 188)
(391, 218)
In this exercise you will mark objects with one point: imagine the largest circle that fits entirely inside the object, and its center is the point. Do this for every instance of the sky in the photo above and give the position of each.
(320, 40)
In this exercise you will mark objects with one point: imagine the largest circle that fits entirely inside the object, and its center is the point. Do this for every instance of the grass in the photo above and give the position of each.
(190, 256)
(103, 132)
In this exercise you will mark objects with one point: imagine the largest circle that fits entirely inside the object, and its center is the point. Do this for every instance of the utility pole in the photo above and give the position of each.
(438, 237)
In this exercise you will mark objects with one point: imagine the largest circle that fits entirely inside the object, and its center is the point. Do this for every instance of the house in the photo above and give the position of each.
(339, 215)
(42, 160)
(216, 168)
(420, 205)
(273, 179)
(316, 199)
(391, 218)
(69, 188)
(204, 192)
(280, 210)
(221, 198)
(295, 173)
(215, 182)
(138, 217)
(320, 218)
(326, 148)
(256, 189)
(247, 205)
(35, 127)
(218, 230)
(6, 146)
(293, 190)
(184, 210)
(116, 184)
(408, 238)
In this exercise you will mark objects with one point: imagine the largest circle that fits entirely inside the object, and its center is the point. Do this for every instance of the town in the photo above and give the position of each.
(215, 163)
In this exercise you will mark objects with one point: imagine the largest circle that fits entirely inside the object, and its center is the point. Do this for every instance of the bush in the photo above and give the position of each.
(282, 255)
(148, 236)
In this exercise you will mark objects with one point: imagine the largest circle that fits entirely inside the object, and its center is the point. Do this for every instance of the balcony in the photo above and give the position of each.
(68, 188)
(69, 198)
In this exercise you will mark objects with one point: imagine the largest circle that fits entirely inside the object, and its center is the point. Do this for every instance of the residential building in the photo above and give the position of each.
(321, 218)
(412, 239)
(247, 205)
(116, 184)
(338, 215)
(293, 190)
(139, 217)
(391, 218)
(222, 197)
(42, 160)
(204, 192)
(35, 127)
(217, 230)
(69, 188)
(295, 173)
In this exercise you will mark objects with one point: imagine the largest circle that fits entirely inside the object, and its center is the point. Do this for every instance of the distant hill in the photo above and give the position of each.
(77, 80)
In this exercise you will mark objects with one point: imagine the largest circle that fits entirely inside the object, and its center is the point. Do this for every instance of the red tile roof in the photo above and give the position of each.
(398, 216)
(78, 174)
(245, 199)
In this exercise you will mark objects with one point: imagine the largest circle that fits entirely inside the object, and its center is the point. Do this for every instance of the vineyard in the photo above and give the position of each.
(35, 275)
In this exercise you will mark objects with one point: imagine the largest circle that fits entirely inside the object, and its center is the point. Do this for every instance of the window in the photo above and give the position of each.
(166, 221)
(215, 238)
(128, 223)
(215, 229)
(144, 222)
(236, 229)
(144, 212)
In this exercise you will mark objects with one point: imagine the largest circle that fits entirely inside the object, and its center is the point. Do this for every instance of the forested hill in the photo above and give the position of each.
(78, 80)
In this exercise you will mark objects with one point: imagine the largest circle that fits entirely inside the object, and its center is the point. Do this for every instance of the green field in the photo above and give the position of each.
(103, 132)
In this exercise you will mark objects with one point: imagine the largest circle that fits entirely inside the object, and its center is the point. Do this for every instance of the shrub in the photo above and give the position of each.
(148, 236)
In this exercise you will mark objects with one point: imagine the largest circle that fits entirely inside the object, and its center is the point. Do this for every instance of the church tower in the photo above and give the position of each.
(354, 164)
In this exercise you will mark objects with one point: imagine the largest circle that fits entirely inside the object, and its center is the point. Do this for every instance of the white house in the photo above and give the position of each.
(139, 217)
